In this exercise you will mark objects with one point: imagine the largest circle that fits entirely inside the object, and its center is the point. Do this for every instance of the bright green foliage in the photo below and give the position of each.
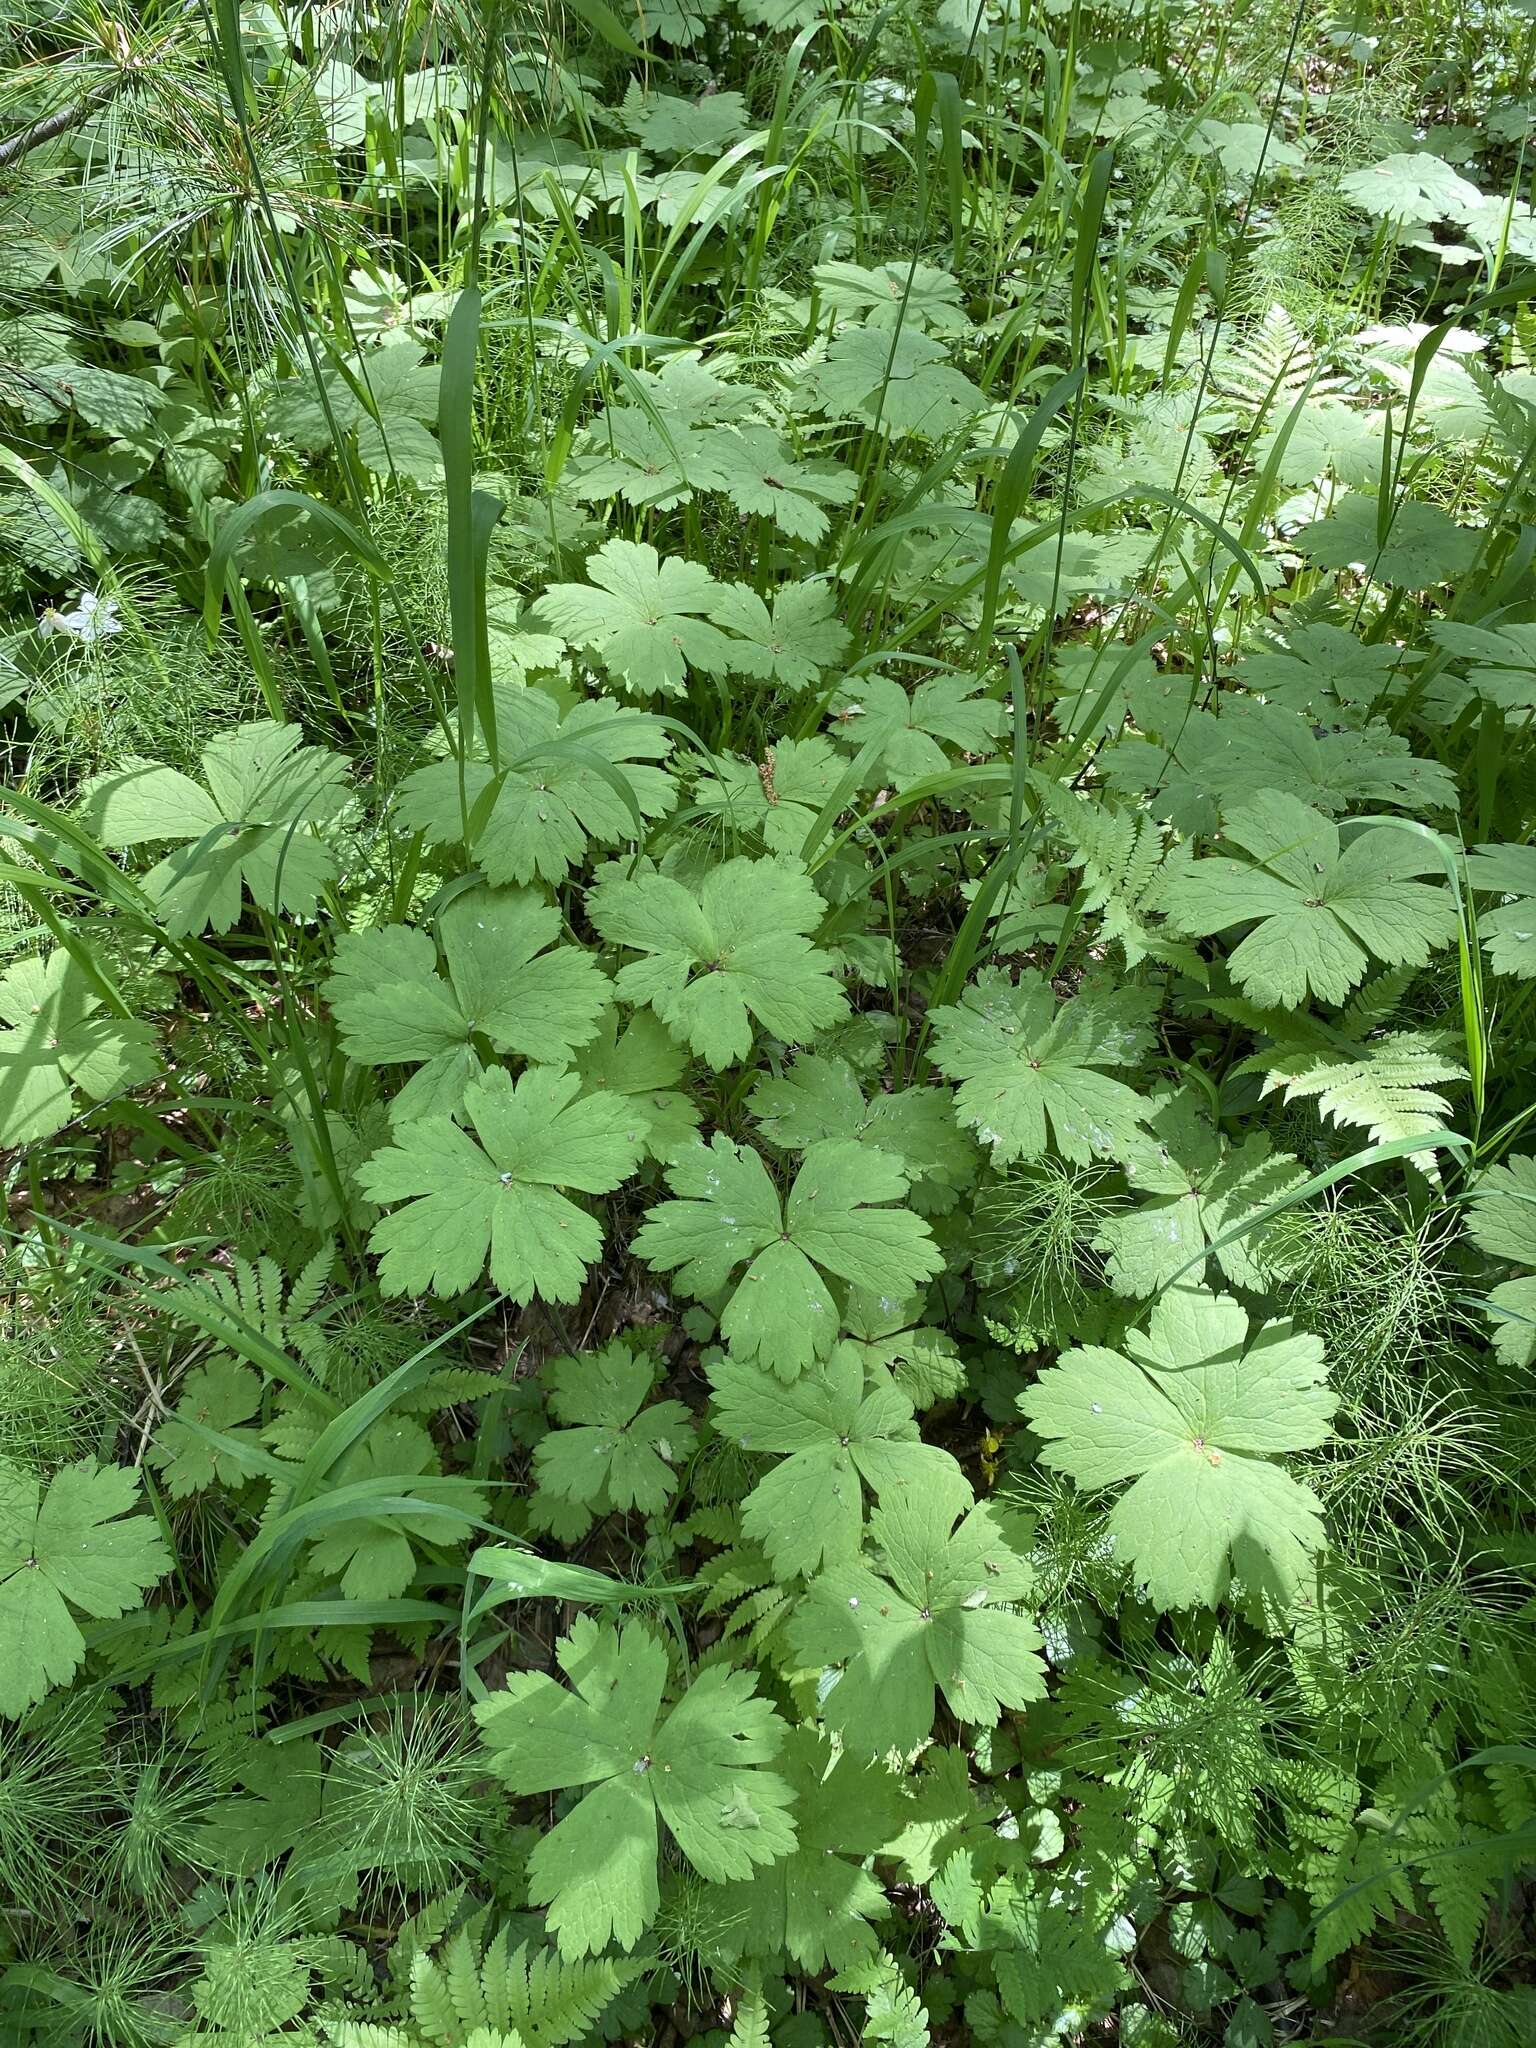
(1508, 926)
(820, 1097)
(897, 380)
(697, 1767)
(1419, 187)
(741, 739)
(936, 1613)
(251, 826)
(371, 1556)
(894, 295)
(506, 982)
(818, 1901)
(524, 1994)
(838, 1438)
(728, 1210)
(1320, 911)
(913, 729)
(640, 1065)
(1389, 1085)
(760, 476)
(61, 1040)
(1194, 1187)
(568, 780)
(646, 620)
(617, 1450)
(218, 1397)
(70, 1544)
(1029, 1067)
(777, 799)
(1502, 1223)
(1194, 1412)
(736, 952)
(789, 644)
(388, 397)
(499, 1200)
(1424, 546)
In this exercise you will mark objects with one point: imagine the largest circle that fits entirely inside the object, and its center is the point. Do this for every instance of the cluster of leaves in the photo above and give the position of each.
(765, 1031)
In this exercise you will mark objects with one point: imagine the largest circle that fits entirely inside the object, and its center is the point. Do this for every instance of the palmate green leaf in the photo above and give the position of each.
(70, 1544)
(645, 461)
(943, 708)
(553, 800)
(1194, 1412)
(899, 294)
(715, 962)
(507, 982)
(61, 1045)
(374, 1557)
(1322, 666)
(500, 1200)
(821, 1097)
(1193, 1187)
(837, 1438)
(640, 1065)
(932, 1616)
(696, 1767)
(253, 823)
(1502, 1222)
(1319, 914)
(1029, 1068)
(899, 379)
(402, 390)
(220, 1395)
(818, 1901)
(615, 1452)
(1202, 765)
(790, 644)
(1503, 661)
(776, 800)
(1508, 929)
(763, 478)
(1411, 187)
(728, 1211)
(1424, 546)
(646, 620)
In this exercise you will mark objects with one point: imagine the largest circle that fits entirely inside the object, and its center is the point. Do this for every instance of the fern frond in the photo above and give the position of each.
(893, 2012)
(1388, 1087)
(750, 2027)
(1265, 364)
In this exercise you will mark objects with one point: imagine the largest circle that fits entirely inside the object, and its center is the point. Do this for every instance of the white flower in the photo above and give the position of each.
(93, 618)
